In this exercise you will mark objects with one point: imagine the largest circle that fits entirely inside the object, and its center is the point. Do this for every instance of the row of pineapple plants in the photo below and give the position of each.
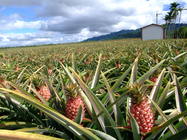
(67, 102)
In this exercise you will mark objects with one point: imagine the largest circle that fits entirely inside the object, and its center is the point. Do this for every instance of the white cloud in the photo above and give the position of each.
(60, 21)
(42, 37)
(19, 2)
(103, 16)
(22, 39)
(15, 21)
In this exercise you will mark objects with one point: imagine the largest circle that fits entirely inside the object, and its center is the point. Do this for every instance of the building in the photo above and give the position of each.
(152, 32)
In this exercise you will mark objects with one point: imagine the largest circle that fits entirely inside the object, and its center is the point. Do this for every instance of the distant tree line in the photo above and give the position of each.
(172, 31)
(181, 32)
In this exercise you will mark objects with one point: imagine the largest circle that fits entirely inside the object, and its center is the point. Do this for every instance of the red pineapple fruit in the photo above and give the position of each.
(143, 114)
(118, 64)
(49, 71)
(153, 79)
(72, 107)
(44, 92)
(141, 110)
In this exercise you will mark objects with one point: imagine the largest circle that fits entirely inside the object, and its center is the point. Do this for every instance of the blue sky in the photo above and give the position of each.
(26, 12)
(166, 6)
(32, 22)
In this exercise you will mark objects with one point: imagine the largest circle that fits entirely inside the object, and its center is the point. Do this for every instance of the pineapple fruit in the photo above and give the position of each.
(141, 110)
(74, 102)
(41, 87)
(153, 79)
(44, 92)
(72, 107)
(143, 114)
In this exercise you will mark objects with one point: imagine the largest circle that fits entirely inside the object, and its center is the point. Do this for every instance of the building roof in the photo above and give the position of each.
(152, 25)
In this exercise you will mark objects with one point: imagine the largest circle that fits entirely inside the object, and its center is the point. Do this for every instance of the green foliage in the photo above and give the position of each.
(182, 32)
(103, 81)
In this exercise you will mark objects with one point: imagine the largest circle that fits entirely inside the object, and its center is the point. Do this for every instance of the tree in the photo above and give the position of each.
(174, 9)
(182, 32)
(171, 17)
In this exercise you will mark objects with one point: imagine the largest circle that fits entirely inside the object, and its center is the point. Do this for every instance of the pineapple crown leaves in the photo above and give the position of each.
(37, 81)
(138, 88)
(137, 92)
(71, 90)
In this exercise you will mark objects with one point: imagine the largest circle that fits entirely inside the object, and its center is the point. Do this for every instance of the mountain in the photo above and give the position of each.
(117, 35)
(130, 33)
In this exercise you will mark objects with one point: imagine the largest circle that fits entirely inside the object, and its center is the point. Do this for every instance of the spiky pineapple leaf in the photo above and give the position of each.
(73, 61)
(102, 135)
(117, 113)
(97, 105)
(97, 73)
(109, 70)
(135, 127)
(144, 77)
(118, 82)
(45, 130)
(15, 125)
(180, 103)
(118, 101)
(157, 129)
(20, 76)
(79, 116)
(15, 135)
(179, 56)
(19, 108)
(134, 72)
(163, 95)
(179, 99)
(171, 126)
(157, 85)
(179, 125)
(75, 128)
(182, 135)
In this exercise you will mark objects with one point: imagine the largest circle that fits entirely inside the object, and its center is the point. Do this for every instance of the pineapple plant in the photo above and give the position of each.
(140, 105)
(108, 115)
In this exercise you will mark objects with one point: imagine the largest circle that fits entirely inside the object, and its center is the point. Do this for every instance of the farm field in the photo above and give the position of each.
(118, 89)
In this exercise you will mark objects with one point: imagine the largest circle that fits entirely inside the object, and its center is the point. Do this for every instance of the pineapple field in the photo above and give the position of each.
(124, 89)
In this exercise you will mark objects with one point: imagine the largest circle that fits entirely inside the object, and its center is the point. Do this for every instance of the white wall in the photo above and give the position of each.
(152, 32)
